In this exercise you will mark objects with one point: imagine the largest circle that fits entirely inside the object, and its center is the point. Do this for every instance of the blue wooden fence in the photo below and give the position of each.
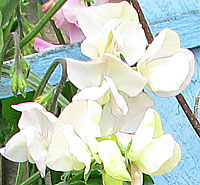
(184, 17)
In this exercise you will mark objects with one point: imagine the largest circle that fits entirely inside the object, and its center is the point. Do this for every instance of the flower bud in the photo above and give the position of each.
(46, 99)
(14, 83)
(25, 67)
(22, 85)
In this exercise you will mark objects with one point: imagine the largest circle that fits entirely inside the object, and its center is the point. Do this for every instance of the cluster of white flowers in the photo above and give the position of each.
(111, 111)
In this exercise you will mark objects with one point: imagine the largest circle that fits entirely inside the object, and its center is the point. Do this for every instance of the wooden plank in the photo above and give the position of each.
(181, 15)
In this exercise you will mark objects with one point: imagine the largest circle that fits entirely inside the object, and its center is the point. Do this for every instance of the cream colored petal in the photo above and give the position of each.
(163, 45)
(170, 76)
(137, 107)
(77, 147)
(92, 93)
(85, 122)
(143, 135)
(169, 165)
(113, 161)
(118, 104)
(58, 157)
(154, 155)
(86, 74)
(96, 45)
(134, 41)
(125, 78)
(37, 147)
(16, 148)
(91, 23)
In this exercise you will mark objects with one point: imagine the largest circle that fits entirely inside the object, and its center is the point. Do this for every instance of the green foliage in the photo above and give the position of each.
(7, 7)
(69, 90)
(147, 180)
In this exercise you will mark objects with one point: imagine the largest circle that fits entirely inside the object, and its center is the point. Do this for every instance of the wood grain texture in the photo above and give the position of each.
(182, 16)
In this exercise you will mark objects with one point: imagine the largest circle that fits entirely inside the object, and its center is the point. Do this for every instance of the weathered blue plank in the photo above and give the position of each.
(180, 15)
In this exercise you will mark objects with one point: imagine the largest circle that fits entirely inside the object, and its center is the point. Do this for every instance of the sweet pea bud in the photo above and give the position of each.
(46, 99)
(12, 71)
(14, 83)
(22, 85)
(25, 67)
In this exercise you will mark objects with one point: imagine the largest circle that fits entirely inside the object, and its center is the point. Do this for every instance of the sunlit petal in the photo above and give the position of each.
(113, 161)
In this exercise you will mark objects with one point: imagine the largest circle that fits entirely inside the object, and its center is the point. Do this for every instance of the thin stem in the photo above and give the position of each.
(196, 106)
(38, 26)
(60, 85)
(57, 32)
(20, 173)
(45, 79)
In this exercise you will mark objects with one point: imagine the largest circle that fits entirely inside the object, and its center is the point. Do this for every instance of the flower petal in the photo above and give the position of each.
(16, 148)
(58, 157)
(77, 148)
(163, 45)
(144, 134)
(170, 76)
(125, 78)
(109, 180)
(34, 114)
(37, 147)
(154, 155)
(137, 107)
(85, 74)
(91, 23)
(171, 163)
(113, 161)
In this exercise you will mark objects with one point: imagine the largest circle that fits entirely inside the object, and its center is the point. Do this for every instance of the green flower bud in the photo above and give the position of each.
(46, 99)
(25, 67)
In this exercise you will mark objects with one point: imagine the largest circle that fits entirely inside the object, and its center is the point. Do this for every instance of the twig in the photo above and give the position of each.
(193, 120)
(196, 106)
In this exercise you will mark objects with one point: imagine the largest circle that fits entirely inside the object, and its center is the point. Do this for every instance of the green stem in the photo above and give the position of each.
(60, 85)
(38, 26)
(57, 32)
(20, 173)
(31, 179)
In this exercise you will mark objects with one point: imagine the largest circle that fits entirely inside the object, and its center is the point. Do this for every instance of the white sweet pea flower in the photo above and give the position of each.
(74, 141)
(168, 68)
(116, 31)
(32, 141)
(103, 78)
(151, 152)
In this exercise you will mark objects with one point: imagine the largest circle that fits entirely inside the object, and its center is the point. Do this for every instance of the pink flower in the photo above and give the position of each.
(42, 45)
(66, 17)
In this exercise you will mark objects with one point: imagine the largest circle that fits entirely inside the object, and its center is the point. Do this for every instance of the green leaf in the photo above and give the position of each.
(7, 7)
(1, 18)
(69, 90)
(1, 40)
(147, 180)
